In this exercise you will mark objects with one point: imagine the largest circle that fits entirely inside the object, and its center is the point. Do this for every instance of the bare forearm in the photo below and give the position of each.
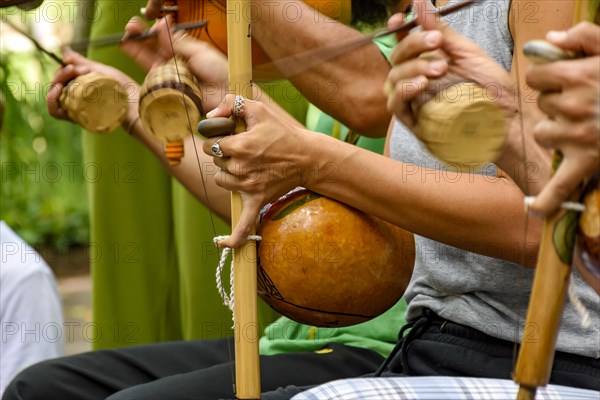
(527, 162)
(348, 87)
(196, 171)
(487, 214)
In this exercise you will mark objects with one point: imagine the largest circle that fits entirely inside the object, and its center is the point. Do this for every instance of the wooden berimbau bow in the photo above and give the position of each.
(244, 267)
(245, 270)
(550, 285)
(247, 369)
(247, 364)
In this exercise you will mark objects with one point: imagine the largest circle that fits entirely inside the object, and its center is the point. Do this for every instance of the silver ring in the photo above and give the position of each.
(238, 106)
(215, 149)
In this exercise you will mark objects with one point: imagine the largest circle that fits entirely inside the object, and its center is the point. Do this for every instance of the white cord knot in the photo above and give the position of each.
(565, 205)
(228, 299)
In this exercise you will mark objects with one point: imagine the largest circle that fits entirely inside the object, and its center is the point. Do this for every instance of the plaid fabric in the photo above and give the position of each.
(436, 388)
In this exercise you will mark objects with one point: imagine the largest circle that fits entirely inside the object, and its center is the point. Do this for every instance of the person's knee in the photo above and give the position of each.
(34, 382)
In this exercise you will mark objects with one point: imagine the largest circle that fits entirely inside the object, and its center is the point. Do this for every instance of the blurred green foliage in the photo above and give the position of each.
(42, 186)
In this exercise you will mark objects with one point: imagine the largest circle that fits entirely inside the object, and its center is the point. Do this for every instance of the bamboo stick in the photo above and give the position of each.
(550, 284)
(546, 304)
(247, 361)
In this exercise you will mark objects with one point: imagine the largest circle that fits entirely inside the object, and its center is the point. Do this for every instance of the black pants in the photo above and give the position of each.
(435, 346)
(180, 370)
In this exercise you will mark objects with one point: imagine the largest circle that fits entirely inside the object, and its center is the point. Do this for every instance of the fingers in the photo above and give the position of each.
(394, 22)
(53, 99)
(429, 19)
(245, 226)
(165, 37)
(564, 134)
(151, 51)
(70, 56)
(426, 55)
(413, 65)
(584, 37)
(400, 96)
(225, 109)
(61, 78)
(135, 26)
(548, 134)
(251, 206)
(427, 15)
(143, 52)
(247, 110)
(185, 46)
(454, 44)
(557, 75)
(251, 202)
(575, 106)
(579, 142)
(568, 88)
(214, 147)
(434, 68)
(153, 9)
(548, 102)
(243, 166)
(547, 77)
(566, 178)
(416, 44)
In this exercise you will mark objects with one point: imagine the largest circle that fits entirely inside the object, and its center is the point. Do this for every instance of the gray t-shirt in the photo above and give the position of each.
(485, 293)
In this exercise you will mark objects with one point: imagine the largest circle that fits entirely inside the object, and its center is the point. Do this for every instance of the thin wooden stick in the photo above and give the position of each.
(298, 63)
(549, 292)
(546, 304)
(246, 333)
(118, 38)
(37, 45)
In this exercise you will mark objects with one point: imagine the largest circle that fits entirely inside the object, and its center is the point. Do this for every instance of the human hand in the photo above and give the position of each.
(78, 65)
(266, 161)
(570, 96)
(152, 9)
(438, 54)
(205, 61)
(150, 52)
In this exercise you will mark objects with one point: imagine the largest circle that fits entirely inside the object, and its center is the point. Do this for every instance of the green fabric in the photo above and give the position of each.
(152, 257)
(153, 263)
(381, 333)
(135, 277)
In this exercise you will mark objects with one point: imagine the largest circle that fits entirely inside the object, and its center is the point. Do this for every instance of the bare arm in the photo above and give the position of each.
(349, 87)
(478, 213)
(196, 171)
(356, 78)
(570, 96)
(526, 161)
(207, 63)
(188, 172)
